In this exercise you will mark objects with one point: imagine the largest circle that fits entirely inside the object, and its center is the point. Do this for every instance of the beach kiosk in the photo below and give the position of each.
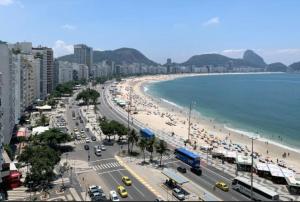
(293, 184)
(243, 163)
(262, 170)
(230, 156)
(279, 174)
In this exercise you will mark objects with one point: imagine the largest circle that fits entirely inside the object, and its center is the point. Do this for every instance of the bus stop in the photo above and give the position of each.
(174, 178)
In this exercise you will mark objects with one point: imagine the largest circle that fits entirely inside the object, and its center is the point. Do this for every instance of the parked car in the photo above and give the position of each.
(178, 194)
(86, 147)
(94, 138)
(181, 169)
(197, 171)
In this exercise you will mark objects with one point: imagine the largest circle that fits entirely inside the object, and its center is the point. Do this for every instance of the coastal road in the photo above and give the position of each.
(106, 166)
(210, 174)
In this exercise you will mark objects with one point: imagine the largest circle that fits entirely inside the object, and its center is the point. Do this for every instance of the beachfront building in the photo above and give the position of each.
(1, 134)
(84, 55)
(65, 71)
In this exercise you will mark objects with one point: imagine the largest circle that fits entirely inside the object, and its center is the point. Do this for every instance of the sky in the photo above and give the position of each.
(160, 29)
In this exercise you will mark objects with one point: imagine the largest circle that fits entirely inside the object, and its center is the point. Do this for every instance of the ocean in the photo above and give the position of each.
(264, 105)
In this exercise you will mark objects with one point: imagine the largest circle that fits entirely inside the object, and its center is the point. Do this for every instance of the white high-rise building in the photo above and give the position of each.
(8, 120)
(65, 71)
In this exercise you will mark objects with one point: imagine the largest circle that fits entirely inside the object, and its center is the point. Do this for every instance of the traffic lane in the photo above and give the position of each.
(108, 153)
(137, 188)
(207, 180)
(136, 192)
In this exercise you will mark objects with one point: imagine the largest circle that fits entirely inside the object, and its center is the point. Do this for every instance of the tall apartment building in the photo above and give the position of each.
(65, 71)
(6, 101)
(1, 134)
(46, 69)
(84, 55)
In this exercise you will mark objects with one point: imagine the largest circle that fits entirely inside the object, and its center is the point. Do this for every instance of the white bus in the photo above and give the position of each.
(260, 193)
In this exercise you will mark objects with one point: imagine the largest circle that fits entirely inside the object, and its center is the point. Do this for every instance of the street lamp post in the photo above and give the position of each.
(189, 126)
(252, 139)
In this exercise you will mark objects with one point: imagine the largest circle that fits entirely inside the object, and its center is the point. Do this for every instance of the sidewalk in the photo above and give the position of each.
(154, 180)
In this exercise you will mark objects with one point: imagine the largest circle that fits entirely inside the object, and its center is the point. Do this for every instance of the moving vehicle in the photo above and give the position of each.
(126, 180)
(113, 196)
(87, 140)
(122, 191)
(97, 150)
(103, 147)
(181, 169)
(147, 133)
(78, 137)
(73, 113)
(196, 170)
(260, 193)
(86, 147)
(178, 194)
(222, 185)
(187, 157)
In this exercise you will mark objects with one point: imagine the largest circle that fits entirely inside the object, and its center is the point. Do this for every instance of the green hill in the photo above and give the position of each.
(276, 67)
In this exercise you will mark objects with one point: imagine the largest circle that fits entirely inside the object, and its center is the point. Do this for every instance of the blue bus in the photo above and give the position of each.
(188, 157)
(147, 133)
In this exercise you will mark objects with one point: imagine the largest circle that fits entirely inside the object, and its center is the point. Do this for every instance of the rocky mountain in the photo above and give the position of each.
(295, 67)
(217, 60)
(276, 67)
(119, 56)
(252, 58)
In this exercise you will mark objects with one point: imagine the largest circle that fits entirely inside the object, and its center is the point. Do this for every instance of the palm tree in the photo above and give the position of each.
(150, 147)
(43, 121)
(143, 144)
(161, 148)
(132, 139)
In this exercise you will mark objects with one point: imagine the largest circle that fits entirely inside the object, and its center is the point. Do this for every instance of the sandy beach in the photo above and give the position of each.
(160, 115)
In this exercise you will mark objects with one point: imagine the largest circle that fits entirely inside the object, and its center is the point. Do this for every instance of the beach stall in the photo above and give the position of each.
(230, 156)
(262, 170)
(293, 183)
(277, 175)
(218, 153)
(243, 163)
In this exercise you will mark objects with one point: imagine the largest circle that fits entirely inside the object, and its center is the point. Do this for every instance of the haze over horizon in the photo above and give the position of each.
(159, 29)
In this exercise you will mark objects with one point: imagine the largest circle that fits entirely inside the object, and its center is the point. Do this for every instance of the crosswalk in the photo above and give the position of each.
(18, 194)
(108, 165)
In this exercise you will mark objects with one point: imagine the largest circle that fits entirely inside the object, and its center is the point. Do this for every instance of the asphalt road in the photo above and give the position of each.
(210, 175)
(106, 166)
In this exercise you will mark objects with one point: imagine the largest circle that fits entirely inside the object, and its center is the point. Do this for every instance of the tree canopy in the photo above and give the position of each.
(88, 96)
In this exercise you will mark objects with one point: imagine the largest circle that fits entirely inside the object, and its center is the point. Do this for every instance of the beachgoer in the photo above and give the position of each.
(267, 151)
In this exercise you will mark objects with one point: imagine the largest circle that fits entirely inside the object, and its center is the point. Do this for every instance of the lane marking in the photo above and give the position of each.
(101, 160)
(118, 184)
(134, 187)
(111, 171)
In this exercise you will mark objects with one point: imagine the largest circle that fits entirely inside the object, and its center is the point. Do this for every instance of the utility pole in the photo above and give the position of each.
(189, 126)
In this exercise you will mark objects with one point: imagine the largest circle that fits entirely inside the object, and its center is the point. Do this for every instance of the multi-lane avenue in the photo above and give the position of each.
(106, 166)
(210, 174)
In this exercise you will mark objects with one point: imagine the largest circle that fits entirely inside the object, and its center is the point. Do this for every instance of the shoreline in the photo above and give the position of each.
(266, 147)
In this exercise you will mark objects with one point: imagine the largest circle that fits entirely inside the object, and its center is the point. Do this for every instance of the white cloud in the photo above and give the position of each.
(68, 27)
(212, 21)
(60, 48)
(6, 2)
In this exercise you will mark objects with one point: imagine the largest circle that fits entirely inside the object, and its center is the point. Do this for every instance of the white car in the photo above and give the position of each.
(113, 196)
(102, 147)
(87, 140)
(178, 194)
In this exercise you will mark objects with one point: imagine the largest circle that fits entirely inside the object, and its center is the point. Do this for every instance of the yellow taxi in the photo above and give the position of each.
(122, 191)
(126, 180)
(222, 185)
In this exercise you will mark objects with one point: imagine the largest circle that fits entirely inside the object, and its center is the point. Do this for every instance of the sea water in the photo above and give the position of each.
(265, 105)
